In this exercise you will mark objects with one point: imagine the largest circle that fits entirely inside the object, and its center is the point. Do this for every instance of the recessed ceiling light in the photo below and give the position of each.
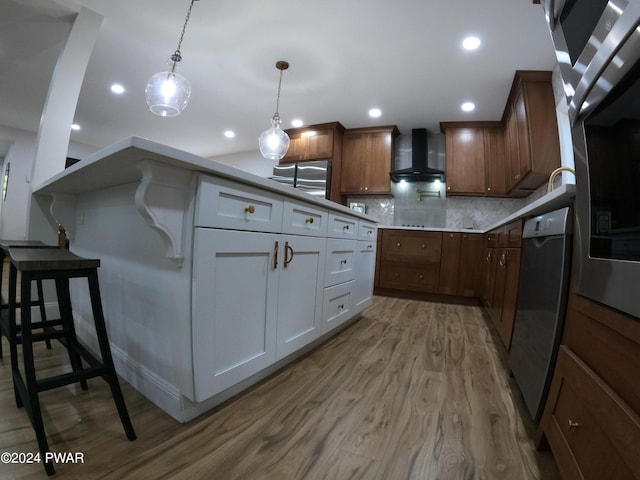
(471, 43)
(297, 123)
(375, 112)
(229, 134)
(75, 126)
(468, 106)
(117, 88)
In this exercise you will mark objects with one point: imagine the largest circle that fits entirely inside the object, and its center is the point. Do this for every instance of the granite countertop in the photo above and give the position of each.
(558, 198)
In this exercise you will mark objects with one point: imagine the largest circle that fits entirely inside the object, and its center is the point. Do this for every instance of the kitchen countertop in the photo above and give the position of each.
(560, 197)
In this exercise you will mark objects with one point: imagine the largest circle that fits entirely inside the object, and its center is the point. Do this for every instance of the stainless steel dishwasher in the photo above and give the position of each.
(542, 298)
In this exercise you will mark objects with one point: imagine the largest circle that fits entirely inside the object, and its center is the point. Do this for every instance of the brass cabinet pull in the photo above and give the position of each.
(275, 256)
(503, 259)
(309, 220)
(343, 261)
(366, 189)
(287, 250)
(573, 424)
(346, 227)
(420, 276)
(489, 256)
(517, 177)
(341, 306)
(369, 247)
(424, 246)
(249, 209)
(369, 232)
(488, 189)
(398, 244)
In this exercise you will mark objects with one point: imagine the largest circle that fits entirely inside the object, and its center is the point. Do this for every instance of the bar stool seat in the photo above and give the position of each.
(59, 265)
(4, 252)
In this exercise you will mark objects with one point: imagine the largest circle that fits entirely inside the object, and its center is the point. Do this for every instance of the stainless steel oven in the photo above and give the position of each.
(598, 49)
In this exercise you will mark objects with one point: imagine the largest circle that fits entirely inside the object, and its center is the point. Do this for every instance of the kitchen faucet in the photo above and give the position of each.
(555, 173)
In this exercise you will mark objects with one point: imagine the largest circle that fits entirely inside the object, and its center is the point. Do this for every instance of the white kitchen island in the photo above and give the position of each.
(211, 278)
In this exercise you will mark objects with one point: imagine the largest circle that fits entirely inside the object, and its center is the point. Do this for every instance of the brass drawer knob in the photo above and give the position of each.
(250, 209)
(343, 261)
(309, 220)
(420, 276)
(396, 275)
(398, 244)
(346, 227)
(341, 306)
(424, 246)
(370, 247)
(573, 424)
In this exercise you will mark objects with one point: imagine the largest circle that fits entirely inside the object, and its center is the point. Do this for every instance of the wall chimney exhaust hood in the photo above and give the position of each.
(419, 171)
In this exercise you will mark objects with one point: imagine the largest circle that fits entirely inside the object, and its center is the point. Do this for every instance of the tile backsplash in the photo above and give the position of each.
(419, 204)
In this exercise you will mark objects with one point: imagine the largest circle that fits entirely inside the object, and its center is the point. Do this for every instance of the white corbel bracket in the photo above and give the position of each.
(162, 200)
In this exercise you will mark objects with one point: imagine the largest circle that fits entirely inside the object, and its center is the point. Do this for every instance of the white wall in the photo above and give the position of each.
(250, 161)
(21, 155)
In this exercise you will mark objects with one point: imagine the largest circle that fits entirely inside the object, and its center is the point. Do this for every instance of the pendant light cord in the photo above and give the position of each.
(276, 116)
(177, 55)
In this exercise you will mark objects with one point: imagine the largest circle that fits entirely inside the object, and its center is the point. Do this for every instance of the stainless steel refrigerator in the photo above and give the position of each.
(313, 178)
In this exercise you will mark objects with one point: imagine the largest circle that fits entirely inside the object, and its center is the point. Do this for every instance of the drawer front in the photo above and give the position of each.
(300, 218)
(592, 432)
(337, 305)
(224, 204)
(341, 226)
(410, 276)
(421, 247)
(341, 256)
(367, 231)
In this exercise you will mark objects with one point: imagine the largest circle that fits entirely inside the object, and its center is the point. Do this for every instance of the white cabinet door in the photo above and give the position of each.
(235, 295)
(365, 270)
(301, 288)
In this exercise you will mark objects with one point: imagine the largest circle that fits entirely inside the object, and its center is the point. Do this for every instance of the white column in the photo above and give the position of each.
(52, 143)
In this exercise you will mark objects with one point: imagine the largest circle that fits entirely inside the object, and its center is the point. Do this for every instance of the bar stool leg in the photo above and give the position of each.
(43, 313)
(33, 406)
(66, 314)
(105, 351)
(13, 347)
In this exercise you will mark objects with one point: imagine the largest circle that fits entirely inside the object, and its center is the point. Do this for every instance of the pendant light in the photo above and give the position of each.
(274, 142)
(168, 92)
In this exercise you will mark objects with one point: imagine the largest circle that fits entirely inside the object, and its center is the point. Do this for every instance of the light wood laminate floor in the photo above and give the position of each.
(413, 390)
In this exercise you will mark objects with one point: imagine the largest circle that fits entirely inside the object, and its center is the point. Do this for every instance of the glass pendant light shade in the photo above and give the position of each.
(167, 93)
(274, 142)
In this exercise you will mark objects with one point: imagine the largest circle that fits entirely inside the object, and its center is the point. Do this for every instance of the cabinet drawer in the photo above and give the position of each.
(342, 226)
(593, 433)
(341, 255)
(402, 245)
(303, 219)
(410, 276)
(367, 231)
(337, 305)
(224, 204)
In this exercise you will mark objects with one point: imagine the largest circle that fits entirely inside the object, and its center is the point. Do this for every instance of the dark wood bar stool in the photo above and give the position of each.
(4, 253)
(59, 265)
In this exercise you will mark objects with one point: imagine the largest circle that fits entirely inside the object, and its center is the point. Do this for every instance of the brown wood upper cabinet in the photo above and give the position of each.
(367, 155)
(532, 144)
(475, 158)
(315, 142)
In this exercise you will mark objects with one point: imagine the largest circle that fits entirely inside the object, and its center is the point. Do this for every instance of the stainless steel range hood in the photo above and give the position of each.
(419, 171)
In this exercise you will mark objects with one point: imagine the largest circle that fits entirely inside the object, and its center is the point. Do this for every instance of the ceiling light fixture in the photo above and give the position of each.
(468, 106)
(229, 134)
(471, 43)
(117, 89)
(168, 92)
(297, 123)
(375, 112)
(274, 142)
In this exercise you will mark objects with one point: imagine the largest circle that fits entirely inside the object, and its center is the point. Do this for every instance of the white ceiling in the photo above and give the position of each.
(346, 56)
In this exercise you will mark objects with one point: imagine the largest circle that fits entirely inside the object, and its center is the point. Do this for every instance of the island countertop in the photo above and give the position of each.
(118, 164)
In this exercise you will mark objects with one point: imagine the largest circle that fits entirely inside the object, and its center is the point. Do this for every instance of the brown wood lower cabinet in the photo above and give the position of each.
(410, 260)
(447, 263)
(591, 419)
(502, 277)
